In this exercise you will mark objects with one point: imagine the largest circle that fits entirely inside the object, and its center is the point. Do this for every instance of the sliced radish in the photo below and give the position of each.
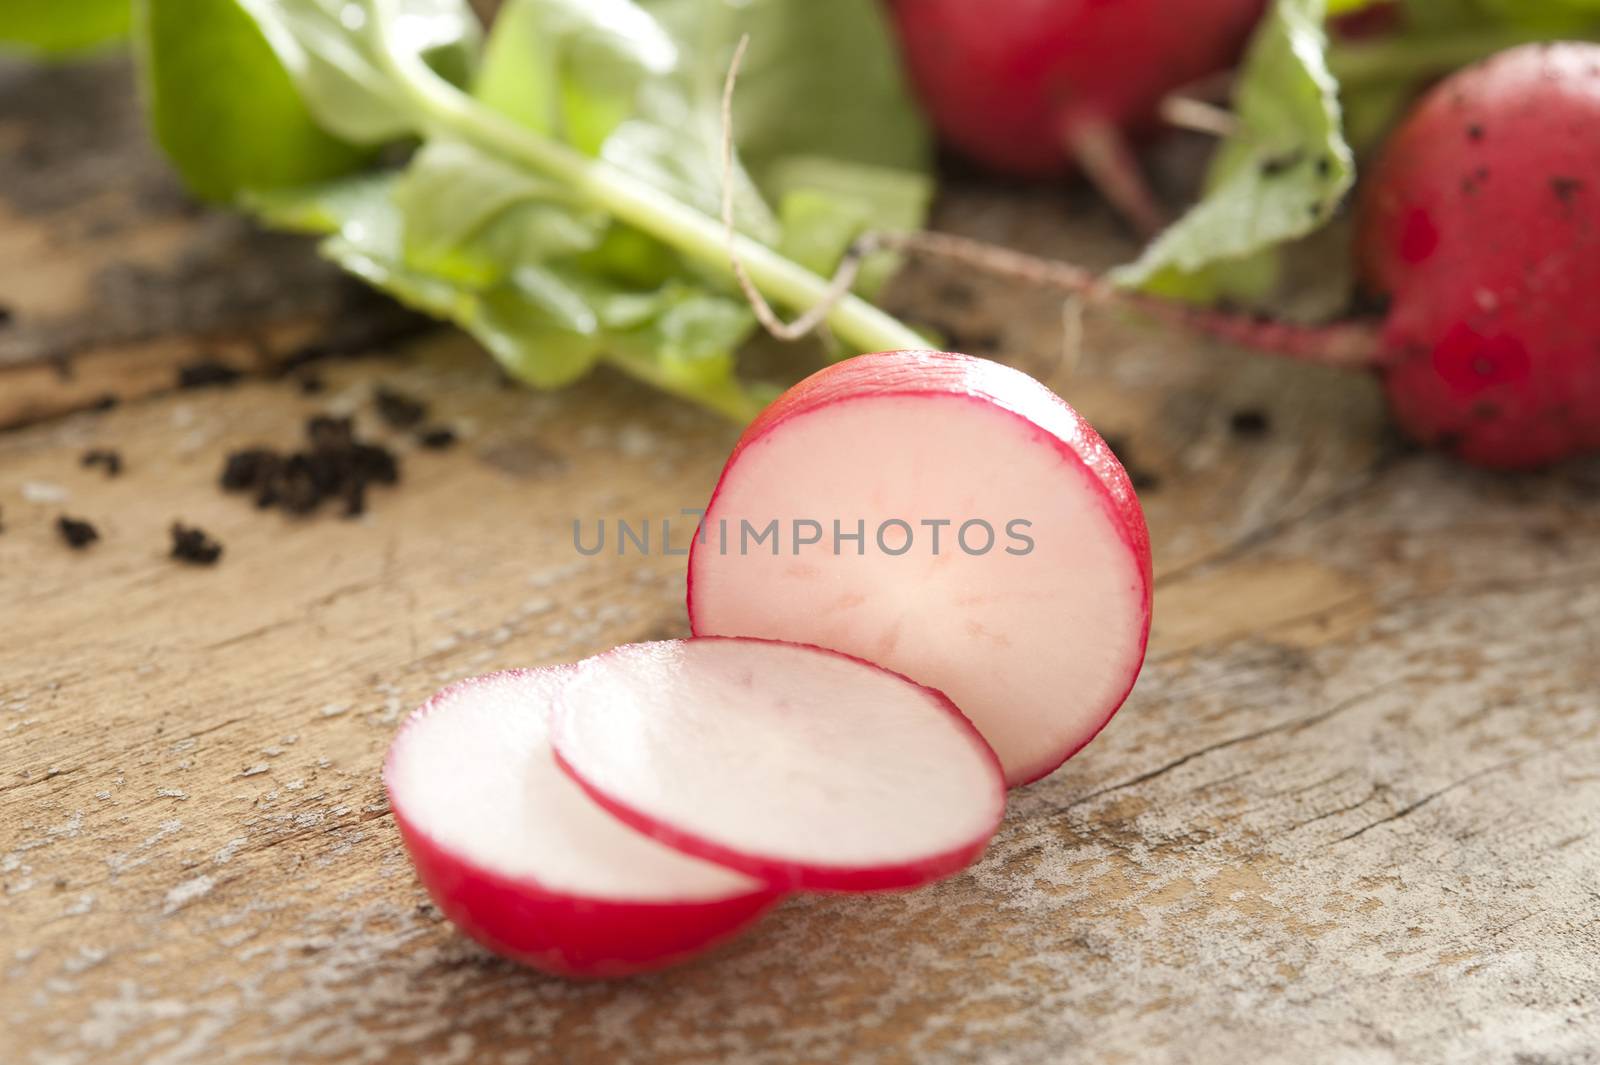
(523, 861)
(1040, 646)
(801, 766)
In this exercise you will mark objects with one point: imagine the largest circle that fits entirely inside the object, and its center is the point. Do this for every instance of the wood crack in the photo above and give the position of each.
(1296, 725)
(1323, 509)
(1411, 808)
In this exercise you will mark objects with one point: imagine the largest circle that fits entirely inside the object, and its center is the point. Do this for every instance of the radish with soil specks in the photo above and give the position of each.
(1035, 630)
(521, 860)
(1482, 225)
(803, 767)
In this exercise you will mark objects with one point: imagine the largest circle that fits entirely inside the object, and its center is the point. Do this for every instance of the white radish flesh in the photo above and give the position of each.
(1038, 645)
(800, 766)
(517, 855)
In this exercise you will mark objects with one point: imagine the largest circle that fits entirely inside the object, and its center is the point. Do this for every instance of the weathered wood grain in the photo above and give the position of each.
(1351, 813)
(111, 278)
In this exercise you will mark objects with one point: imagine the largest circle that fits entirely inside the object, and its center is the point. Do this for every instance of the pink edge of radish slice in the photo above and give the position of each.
(801, 766)
(1038, 650)
(521, 860)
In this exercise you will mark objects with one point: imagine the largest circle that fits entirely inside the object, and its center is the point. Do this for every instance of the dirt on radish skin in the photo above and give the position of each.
(1479, 226)
(1482, 225)
(800, 766)
(521, 860)
(1010, 82)
(1038, 645)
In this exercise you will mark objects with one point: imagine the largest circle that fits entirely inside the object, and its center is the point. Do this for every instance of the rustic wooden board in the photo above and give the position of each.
(1351, 813)
(111, 278)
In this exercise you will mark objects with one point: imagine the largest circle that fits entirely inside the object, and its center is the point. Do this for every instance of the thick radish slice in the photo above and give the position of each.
(801, 766)
(524, 862)
(1036, 631)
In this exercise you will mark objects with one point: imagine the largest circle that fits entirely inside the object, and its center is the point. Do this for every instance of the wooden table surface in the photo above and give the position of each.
(1351, 812)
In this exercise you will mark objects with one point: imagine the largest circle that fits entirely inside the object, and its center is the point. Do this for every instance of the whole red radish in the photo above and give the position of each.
(949, 518)
(519, 858)
(1027, 87)
(1481, 224)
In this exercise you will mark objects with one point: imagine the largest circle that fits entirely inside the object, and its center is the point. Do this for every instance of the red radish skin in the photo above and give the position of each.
(1481, 224)
(796, 765)
(581, 919)
(928, 394)
(1022, 86)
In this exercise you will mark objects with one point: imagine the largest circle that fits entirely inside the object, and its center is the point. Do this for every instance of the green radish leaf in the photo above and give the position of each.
(639, 84)
(268, 93)
(546, 322)
(572, 69)
(1301, 106)
(825, 204)
(328, 50)
(474, 218)
(499, 227)
(249, 127)
(1277, 179)
(1380, 77)
(820, 79)
(1454, 15)
(55, 27)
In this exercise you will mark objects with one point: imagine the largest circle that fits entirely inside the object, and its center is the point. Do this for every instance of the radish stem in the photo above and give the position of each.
(447, 111)
(1102, 153)
(1342, 344)
(1408, 58)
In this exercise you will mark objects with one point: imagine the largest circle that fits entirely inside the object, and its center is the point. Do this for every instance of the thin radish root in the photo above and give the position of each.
(1036, 90)
(1343, 344)
(1199, 116)
(1102, 152)
(817, 315)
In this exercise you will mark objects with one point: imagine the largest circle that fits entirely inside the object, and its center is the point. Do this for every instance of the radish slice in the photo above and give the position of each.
(522, 861)
(804, 767)
(1040, 646)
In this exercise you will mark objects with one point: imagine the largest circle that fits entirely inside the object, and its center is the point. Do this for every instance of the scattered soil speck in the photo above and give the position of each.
(193, 545)
(77, 533)
(1279, 164)
(108, 459)
(397, 409)
(249, 467)
(207, 373)
(1142, 479)
(438, 438)
(1250, 423)
(1566, 188)
(334, 466)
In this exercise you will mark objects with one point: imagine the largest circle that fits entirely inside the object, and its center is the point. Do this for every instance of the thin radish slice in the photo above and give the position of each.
(524, 862)
(1037, 634)
(801, 766)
